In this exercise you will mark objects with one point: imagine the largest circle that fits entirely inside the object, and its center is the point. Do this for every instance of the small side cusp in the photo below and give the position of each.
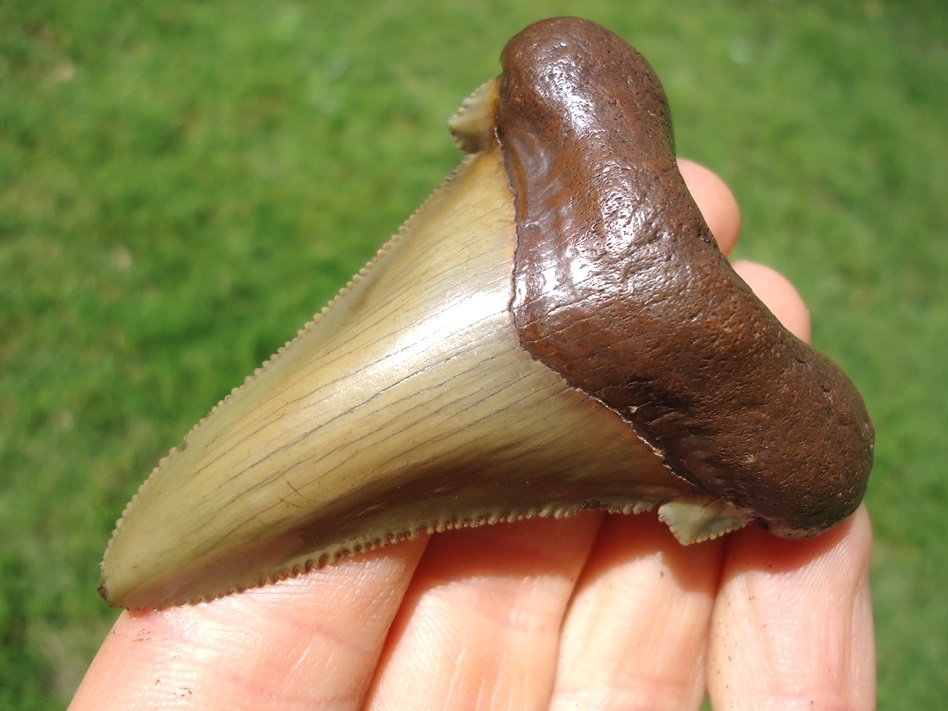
(473, 125)
(693, 521)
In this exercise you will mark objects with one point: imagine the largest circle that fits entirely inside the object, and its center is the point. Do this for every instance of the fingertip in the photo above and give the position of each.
(720, 211)
(793, 621)
(715, 200)
(778, 295)
(847, 546)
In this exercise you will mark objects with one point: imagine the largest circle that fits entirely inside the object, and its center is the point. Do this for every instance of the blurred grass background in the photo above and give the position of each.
(183, 184)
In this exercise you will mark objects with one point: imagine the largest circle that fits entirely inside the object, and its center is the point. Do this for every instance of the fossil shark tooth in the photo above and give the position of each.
(553, 330)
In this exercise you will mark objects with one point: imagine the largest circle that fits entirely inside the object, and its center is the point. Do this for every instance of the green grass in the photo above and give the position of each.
(183, 184)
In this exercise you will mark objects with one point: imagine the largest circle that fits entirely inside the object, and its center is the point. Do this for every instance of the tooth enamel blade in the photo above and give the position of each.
(408, 405)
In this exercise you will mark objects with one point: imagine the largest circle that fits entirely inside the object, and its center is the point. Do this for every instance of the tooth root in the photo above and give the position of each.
(372, 425)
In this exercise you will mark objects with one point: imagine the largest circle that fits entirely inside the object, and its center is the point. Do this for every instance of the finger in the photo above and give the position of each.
(635, 630)
(634, 633)
(778, 295)
(716, 202)
(720, 211)
(792, 625)
(308, 642)
(481, 621)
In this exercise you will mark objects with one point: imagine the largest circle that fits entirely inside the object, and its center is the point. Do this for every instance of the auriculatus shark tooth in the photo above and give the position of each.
(553, 330)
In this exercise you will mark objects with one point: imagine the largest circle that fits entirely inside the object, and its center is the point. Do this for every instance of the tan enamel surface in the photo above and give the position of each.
(408, 405)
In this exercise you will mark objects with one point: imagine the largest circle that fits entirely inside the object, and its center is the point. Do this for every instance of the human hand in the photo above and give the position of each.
(596, 611)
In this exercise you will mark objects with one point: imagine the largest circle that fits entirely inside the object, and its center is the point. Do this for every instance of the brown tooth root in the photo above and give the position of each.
(621, 288)
(553, 330)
